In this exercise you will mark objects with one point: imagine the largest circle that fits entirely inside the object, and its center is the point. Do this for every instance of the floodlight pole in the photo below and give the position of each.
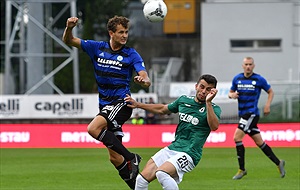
(9, 83)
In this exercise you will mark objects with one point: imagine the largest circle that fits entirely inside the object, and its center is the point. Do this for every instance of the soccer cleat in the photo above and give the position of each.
(133, 166)
(240, 174)
(281, 168)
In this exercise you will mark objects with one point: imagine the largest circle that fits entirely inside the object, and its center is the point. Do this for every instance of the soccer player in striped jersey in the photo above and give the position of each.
(113, 64)
(198, 116)
(246, 88)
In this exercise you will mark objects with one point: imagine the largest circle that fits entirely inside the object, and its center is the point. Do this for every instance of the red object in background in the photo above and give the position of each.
(141, 136)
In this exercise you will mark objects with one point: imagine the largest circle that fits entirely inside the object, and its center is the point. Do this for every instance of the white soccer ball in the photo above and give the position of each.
(155, 10)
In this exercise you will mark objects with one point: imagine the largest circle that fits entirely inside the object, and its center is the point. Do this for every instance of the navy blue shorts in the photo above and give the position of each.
(248, 123)
(116, 114)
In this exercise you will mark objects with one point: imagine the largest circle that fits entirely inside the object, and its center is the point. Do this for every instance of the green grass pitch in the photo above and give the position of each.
(90, 169)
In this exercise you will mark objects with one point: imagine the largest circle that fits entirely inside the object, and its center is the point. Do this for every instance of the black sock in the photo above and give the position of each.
(269, 153)
(112, 142)
(124, 173)
(240, 150)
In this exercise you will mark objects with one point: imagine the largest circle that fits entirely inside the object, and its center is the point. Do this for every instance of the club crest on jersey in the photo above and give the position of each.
(201, 110)
(119, 58)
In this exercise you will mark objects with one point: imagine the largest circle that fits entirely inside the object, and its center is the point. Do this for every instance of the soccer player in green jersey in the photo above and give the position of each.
(197, 117)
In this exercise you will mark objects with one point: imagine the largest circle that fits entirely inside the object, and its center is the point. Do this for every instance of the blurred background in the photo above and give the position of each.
(196, 37)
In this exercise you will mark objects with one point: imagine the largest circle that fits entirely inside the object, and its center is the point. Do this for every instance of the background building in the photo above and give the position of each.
(268, 31)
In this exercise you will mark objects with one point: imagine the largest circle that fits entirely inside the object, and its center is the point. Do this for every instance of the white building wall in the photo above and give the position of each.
(222, 22)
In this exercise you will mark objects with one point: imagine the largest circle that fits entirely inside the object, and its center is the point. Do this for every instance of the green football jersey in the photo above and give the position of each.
(192, 129)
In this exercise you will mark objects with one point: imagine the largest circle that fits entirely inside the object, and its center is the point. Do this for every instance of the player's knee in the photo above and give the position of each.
(160, 175)
(89, 129)
(92, 130)
(236, 139)
(97, 126)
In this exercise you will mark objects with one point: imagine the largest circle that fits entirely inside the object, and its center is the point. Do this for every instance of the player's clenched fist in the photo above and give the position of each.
(71, 22)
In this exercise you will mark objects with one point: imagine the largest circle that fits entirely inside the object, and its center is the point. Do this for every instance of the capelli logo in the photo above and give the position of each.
(73, 107)
(10, 107)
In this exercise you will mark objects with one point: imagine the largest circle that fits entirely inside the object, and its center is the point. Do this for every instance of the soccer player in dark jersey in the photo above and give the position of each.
(246, 88)
(113, 63)
(198, 116)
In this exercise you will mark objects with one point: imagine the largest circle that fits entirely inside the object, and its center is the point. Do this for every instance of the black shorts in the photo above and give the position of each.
(248, 123)
(116, 114)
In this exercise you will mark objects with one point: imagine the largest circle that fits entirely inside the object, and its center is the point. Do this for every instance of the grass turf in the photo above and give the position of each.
(89, 169)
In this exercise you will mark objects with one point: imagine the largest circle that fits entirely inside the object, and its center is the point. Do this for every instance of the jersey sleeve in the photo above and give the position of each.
(90, 46)
(173, 107)
(138, 62)
(264, 84)
(217, 110)
(233, 84)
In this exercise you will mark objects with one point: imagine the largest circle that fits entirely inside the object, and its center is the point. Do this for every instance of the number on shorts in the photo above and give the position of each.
(183, 161)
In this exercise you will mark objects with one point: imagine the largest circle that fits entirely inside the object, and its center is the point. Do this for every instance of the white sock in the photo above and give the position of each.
(166, 181)
(141, 183)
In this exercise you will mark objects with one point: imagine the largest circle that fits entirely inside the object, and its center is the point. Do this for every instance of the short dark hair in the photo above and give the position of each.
(249, 58)
(209, 79)
(115, 21)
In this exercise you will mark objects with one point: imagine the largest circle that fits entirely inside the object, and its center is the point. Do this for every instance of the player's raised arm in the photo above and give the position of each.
(68, 37)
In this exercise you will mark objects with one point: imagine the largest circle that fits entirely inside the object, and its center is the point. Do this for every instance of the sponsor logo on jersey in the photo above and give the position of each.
(241, 86)
(188, 118)
(109, 62)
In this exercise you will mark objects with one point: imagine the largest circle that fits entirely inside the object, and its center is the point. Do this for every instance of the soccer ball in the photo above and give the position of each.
(155, 10)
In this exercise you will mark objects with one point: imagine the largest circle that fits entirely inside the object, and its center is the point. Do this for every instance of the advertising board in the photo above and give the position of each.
(141, 136)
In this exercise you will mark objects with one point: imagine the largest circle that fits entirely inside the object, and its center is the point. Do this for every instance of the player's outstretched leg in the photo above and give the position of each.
(270, 154)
